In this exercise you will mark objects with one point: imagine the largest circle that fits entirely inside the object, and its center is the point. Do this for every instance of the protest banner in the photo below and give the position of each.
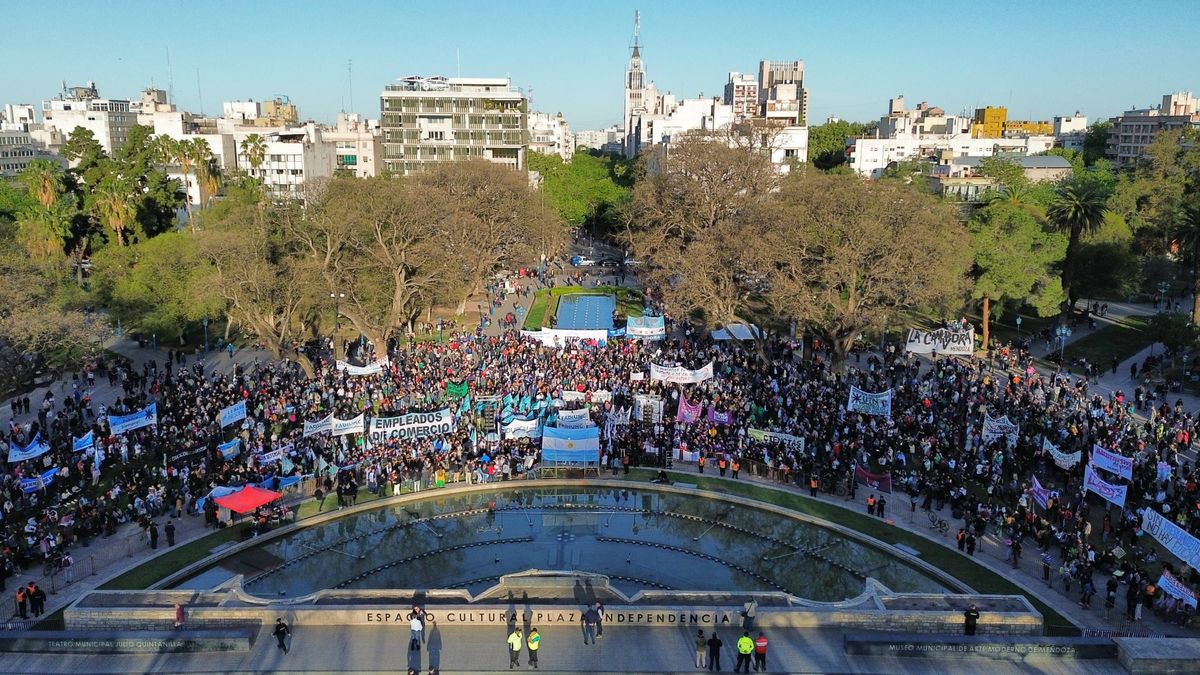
(36, 448)
(369, 369)
(578, 447)
(318, 427)
(575, 419)
(119, 424)
(230, 449)
(409, 426)
(994, 428)
(786, 440)
(523, 428)
(1175, 539)
(1121, 465)
(1173, 586)
(942, 341)
(1112, 493)
(688, 413)
(724, 417)
(350, 426)
(1064, 460)
(84, 442)
(874, 481)
(562, 337)
(233, 414)
(680, 375)
(39, 481)
(868, 403)
(645, 327)
(647, 408)
(456, 390)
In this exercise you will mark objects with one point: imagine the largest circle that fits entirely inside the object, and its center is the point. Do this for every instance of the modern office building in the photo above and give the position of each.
(741, 92)
(18, 149)
(426, 120)
(781, 92)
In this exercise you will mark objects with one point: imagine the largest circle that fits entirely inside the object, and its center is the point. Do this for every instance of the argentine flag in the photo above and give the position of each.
(575, 446)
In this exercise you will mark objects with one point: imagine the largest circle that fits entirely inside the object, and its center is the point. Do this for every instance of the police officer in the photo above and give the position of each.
(970, 618)
(745, 647)
(760, 652)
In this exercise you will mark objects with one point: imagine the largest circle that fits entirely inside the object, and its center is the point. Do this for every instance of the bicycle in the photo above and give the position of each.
(937, 523)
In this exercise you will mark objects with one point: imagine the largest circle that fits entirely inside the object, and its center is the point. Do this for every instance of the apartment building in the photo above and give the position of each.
(1131, 132)
(426, 120)
(109, 120)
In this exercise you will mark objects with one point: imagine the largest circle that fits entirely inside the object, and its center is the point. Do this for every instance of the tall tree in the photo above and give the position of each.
(1187, 235)
(827, 142)
(849, 255)
(44, 180)
(254, 147)
(1080, 207)
(113, 205)
(1014, 258)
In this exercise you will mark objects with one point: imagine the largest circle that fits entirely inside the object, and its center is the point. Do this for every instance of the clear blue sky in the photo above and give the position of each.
(1040, 58)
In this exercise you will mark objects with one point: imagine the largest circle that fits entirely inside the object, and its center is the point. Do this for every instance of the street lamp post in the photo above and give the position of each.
(205, 322)
(1018, 328)
(1063, 332)
(337, 316)
(1162, 296)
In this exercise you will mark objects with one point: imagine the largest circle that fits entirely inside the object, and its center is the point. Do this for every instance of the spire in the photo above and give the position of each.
(637, 30)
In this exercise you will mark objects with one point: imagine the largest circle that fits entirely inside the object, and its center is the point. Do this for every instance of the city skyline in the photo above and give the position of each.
(1052, 60)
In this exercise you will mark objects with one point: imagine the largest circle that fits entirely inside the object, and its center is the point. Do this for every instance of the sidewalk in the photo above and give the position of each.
(991, 553)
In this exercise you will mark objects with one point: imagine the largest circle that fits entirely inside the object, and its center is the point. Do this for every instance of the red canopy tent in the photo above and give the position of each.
(247, 499)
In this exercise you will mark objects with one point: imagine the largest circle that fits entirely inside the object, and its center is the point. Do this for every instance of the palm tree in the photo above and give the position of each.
(112, 204)
(179, 153)
(44, 180)
(1078, 208)
(208, 176)
(255, 150)
(1187, 234)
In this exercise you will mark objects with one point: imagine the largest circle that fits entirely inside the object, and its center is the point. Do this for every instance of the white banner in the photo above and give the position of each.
(319, 427)
(789, 441)
(519, 428)
(994, 428)
(409, 426)
(369, 369)
(36, 448)
(1172, 585)
(233, 414)
(1111, 461)
(681, 375)
(1064, 460)
(561, 337)
(1172, 537)
(351, 426)
(1110, 492)
(943, 341)
(575, 419)
(871, 404)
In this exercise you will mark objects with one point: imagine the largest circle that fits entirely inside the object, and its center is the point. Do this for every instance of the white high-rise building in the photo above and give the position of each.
(109, 120)
(741, 92)
(357, 145)
(551, 135)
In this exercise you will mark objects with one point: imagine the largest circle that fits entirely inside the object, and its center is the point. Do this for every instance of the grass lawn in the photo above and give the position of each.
(545, 302)
(1121, 340)
(177, 558)
(956, 565)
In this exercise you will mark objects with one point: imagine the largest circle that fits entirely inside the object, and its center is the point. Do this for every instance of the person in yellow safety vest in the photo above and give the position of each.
(745, 647)
(534, 641)
(760, 652)
(516, 642)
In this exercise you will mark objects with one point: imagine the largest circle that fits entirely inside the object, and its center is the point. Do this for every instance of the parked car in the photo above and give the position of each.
(582, 261)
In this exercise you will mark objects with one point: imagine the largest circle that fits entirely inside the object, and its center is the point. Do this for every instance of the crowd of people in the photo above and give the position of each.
(931, 445)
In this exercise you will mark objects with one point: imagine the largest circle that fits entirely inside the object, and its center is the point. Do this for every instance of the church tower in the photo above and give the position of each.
(635, 90)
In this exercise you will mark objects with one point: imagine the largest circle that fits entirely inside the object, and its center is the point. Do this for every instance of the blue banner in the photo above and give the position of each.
(36, 448)
(646, 327)
(119, 424)
(616, 332)
(231, 449)
(233, 414)
(85, 443)
(37, 483)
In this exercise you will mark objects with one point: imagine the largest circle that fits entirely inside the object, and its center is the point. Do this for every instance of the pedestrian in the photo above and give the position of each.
(178, 616)
(37, 599)
(229, 348)
(590, 619)
(813, 483)
(516, 642)
(153, 535)
(416, 630)
(749, 611)
(880, 506)
(701, 647)
(745, 647)
(970, 619)
(714, 652)
(971, 544)
(599, 620)
(22, 601)
(760, 652)
(871, 505)
(961, 538)
(281, 633)
(170, 531)
(534, 641)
